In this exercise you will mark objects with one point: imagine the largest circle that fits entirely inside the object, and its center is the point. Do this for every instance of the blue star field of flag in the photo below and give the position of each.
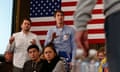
(44, 8)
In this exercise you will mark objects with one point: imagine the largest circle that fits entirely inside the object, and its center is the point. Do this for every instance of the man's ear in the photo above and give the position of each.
(21, 26)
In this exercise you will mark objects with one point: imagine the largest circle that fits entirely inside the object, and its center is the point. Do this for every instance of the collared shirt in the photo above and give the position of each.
(64, 43)
(19, 47)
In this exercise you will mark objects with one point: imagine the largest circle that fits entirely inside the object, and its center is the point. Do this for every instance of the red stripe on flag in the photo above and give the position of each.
(40, 32)
(68, 4)
(50, 23)
(99, 1)
(68, 13)
(95, 31)
(95, 41)
(96, 11)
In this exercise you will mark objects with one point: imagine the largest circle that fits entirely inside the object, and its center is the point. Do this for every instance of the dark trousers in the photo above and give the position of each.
(16, 69)
(112, 30)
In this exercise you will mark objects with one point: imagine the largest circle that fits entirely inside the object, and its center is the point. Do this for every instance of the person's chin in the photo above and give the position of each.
(49, 59)
(33, 59)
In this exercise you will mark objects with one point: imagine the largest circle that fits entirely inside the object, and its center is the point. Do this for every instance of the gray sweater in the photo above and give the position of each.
(84, 9)
(60, 67)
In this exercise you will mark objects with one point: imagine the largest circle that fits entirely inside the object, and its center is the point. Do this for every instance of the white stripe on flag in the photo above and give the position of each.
(46, 28)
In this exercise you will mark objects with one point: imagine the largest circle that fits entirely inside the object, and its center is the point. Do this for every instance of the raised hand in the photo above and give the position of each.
(11, 40)
(81, 38)
(54, 36)
(33, 41)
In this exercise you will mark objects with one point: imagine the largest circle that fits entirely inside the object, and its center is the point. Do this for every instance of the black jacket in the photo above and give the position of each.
(48, 67)
(31, 66)
(6, 67)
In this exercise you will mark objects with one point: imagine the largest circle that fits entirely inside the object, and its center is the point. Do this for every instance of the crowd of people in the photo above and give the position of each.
(59, 54)
(48, 60)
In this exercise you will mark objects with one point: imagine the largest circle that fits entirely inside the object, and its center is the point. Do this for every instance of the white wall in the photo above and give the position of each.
(5, 23)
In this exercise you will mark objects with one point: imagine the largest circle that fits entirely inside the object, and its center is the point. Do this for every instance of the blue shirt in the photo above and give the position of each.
(64, 43)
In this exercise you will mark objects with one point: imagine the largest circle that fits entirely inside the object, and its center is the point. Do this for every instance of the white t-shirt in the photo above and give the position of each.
(19, 47)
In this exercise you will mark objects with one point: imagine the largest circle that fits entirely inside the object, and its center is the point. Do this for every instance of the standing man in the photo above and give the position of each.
(19, 43)
(112, 27)
(62, 37)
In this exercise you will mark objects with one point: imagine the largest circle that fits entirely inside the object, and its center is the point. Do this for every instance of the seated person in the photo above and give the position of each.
(7, 65)
(103, 67)
(53, 62)
(35, 64)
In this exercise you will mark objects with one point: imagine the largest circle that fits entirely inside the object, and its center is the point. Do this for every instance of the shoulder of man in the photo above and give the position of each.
(69, 27)
(28, 62)
(33, 34)
(16, 33)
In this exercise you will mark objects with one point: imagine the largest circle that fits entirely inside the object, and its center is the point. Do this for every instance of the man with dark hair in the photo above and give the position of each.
(57, 12)
(35, 64)
(62, 36)
(19, 43)
(33, 46)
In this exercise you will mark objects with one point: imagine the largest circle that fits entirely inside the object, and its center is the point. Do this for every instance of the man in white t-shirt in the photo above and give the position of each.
(19, 43)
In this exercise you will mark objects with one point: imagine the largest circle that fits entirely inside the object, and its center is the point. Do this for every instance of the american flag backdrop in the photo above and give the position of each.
(41, 14)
